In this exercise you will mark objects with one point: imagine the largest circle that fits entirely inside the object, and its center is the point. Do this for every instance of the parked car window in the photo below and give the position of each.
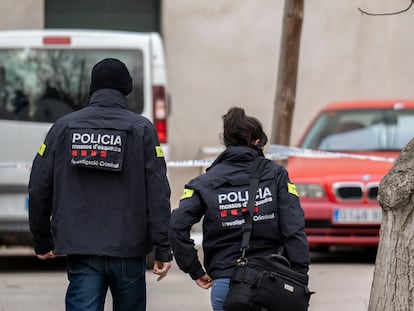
(361, 130)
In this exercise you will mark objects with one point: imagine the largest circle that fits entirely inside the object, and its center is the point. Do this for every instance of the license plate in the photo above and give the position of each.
(357, 216)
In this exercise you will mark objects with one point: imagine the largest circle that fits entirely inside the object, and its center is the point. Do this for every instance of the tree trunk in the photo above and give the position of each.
(393, 283)
(287, 75)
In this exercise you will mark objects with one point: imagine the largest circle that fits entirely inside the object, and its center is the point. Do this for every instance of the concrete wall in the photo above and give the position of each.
(25, 14)
(348, 56)
(219, 54)
(224, 53)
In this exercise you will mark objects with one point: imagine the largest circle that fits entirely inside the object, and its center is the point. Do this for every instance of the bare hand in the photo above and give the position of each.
(161, 268)
(204, 282)
(48, 255)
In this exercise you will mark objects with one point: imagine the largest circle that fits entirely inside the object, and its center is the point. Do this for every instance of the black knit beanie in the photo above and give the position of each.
(111, 73)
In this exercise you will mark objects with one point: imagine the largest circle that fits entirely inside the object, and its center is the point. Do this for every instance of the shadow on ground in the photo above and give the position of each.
(344, 255)
(30, 263)
(26, 261)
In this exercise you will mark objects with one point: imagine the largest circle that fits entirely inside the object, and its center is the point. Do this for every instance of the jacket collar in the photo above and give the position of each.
(108, 98)
(237, 154)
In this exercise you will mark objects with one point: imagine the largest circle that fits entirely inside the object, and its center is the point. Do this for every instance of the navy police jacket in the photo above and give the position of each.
(98, 184)
(220, 195)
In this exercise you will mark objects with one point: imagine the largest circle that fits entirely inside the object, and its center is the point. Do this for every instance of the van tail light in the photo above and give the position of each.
(59, 40)
(160, 112)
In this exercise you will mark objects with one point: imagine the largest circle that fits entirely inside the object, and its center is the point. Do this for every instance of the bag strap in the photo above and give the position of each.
(257, 170)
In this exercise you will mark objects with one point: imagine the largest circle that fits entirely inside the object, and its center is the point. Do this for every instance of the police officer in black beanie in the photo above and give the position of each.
(111, 73)
(98, 193)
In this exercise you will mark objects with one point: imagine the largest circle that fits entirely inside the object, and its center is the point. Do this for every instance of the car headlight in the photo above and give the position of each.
(311, 191)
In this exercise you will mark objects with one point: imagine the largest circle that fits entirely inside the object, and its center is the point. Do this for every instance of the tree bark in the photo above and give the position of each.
(393, 283)
(287, 74)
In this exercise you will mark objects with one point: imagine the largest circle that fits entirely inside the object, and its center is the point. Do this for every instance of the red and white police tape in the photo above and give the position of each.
(279, 152)
(275, 152)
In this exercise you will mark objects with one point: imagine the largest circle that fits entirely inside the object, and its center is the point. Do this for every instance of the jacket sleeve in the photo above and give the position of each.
(158, 195)
(41, 196)
(292, 224)
(188, 213)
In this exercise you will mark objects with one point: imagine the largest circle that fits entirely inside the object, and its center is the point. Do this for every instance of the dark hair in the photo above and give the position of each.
(242, 130)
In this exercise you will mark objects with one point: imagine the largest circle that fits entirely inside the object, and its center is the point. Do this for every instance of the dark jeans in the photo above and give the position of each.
(89, 279)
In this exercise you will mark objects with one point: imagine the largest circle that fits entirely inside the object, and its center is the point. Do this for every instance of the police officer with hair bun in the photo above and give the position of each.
(98, 193)
(220, 194)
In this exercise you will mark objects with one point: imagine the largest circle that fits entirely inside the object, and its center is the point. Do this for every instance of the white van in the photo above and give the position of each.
(45, 74)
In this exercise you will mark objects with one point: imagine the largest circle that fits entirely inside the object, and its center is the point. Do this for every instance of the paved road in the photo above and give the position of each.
(342, 281)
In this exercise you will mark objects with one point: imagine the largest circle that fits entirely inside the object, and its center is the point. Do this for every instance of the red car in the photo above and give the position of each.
(339, 192)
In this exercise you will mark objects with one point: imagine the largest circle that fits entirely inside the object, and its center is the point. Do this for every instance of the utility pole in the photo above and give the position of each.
(287, 74)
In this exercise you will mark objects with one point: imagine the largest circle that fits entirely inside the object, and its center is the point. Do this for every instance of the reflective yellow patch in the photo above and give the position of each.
(187, 193)
(292, 189)
(159, 152)
(42, 150)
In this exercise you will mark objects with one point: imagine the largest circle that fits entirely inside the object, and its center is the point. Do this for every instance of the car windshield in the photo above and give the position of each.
(42, 85)
(361, 130)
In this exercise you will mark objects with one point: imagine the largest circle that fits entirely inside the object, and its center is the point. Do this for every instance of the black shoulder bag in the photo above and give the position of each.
(264, 283)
